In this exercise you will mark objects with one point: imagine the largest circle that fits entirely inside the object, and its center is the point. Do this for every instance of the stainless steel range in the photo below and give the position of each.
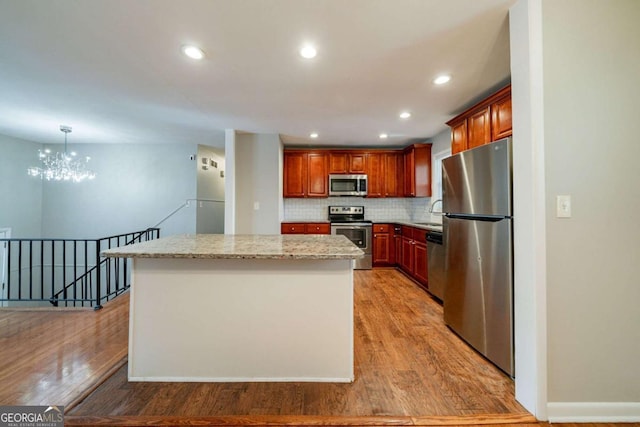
(349, 221)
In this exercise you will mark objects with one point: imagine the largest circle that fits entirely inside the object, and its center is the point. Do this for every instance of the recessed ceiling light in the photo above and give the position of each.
(440, 80)
(308, 52)
(313, 135)
(405, 115)
(193, 52)
(384, 136)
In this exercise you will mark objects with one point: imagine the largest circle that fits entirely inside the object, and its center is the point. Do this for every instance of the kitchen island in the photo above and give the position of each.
(210, 307)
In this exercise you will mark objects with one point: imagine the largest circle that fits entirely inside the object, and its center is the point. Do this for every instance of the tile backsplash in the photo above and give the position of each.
(377, 210)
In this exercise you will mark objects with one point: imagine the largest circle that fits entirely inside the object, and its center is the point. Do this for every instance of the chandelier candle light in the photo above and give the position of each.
(62, 166)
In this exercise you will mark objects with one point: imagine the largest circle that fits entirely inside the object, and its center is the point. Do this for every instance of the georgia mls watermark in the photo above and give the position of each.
(31, 416)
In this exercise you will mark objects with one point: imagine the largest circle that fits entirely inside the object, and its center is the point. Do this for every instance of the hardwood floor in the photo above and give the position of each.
(55, 356)
(409, 367)
(410, 370)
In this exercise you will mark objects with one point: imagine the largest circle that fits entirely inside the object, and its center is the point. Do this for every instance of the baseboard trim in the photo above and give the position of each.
(562, 412)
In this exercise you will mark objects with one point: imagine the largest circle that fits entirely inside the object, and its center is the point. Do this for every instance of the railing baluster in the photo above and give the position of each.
(53, 266)
(30, 269)
(20, 270)
(42, 269)
(64, 270)
(9, 270)
(75, 269)
(98, 281)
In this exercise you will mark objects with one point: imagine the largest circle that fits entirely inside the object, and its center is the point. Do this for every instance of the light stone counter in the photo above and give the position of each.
(238, 246)
(241, 308)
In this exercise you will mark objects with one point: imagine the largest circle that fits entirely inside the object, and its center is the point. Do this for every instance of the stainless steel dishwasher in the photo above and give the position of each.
(435, 264)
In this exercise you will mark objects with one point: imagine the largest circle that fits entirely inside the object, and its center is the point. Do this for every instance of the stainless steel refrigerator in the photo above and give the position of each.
(478, 241)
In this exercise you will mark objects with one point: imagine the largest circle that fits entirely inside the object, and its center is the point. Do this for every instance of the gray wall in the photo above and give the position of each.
(575, 67)
(20, 194)
(210, 191)
(137, 185)
(258, 179)
(591, 66)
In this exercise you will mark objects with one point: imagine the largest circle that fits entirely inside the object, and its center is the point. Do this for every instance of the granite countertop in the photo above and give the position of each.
(242, 246)
(431, 226)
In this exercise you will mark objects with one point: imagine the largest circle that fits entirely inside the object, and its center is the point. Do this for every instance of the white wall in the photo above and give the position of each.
(210, 191)
(137, 185)
(20, 194)
(575, 101)
(529, 207)
(258, 179)
(591, 52)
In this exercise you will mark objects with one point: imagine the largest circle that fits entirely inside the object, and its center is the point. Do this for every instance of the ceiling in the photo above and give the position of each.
(114, 71)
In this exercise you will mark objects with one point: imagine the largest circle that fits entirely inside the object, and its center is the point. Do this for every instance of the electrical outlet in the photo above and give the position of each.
(563, 206)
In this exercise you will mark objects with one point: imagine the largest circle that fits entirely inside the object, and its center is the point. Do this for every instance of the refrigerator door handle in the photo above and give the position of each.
(487, 218)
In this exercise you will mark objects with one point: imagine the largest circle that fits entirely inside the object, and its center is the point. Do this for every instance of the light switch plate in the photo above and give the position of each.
(563, 206)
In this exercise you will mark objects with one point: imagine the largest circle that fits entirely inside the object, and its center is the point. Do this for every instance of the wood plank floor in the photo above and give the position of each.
(54, 356)
(407, 365)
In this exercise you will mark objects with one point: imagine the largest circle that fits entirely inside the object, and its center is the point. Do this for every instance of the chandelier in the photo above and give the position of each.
(62, 166)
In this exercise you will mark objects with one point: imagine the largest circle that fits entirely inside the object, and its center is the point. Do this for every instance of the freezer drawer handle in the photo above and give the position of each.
(488, 218)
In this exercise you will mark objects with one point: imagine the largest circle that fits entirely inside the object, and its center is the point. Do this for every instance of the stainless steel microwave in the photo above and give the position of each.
(347, 185)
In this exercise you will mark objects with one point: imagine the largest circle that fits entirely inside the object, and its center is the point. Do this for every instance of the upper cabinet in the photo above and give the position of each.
(417, 170)
(487, 121)
(391, 173)
(305, 174)
(347, 162)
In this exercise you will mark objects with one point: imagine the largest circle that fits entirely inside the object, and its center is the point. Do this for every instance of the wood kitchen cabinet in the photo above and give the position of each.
(305, 228)
(478, 128)
(417, 170)
(383, 245)
(347, 162)
(485, 122)
(501, 118)
(375, 175)
(384, 172)
(305, 174)
(393, 174)
(414, 254)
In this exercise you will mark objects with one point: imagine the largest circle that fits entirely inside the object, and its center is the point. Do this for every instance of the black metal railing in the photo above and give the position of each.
(66, 272)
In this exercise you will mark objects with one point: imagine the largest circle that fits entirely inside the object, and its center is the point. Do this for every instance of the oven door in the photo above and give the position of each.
(359, 235)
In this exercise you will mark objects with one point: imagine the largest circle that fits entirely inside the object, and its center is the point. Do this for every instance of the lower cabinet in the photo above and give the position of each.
(404, 247)
(383, 245)
(305, 228)
(414, 254)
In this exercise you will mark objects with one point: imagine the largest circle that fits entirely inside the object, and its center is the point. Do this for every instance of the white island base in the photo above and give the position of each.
(233, 320)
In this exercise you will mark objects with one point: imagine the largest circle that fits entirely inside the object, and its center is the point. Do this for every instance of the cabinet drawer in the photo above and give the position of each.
(381, 228)
(317, 228)
(292, 228)
(420, 235)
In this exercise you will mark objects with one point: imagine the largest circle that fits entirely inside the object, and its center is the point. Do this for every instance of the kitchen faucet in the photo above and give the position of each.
(433, 204)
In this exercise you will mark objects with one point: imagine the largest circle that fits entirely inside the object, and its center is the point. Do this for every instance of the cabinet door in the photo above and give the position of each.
(420, 262)
(381, 249)
(318, 178)
(417, 170)
(375, 175)
(396, 258)
(479, 128)
(357, 163)
(295, 174)
(459, 137)
(393, 171)
(407, 255)
(409, 175)
(338, 162)
(501, 118)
